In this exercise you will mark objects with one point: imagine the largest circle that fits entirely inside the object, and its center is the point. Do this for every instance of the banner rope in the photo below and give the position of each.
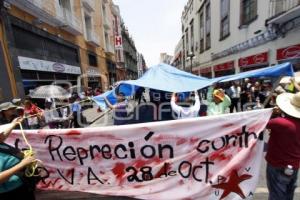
(36, 115)
(30, 170)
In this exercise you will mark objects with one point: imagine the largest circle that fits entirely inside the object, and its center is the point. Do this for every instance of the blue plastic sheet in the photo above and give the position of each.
(170, 79)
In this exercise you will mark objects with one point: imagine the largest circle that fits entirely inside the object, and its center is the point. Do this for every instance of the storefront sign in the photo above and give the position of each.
(205, 70)
(257, 59)
(93, 71)
(118, 42)
(224, 66)
(291, 52)
(47, 66)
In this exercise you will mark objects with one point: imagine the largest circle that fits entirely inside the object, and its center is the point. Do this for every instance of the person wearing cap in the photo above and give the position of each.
(7, 112)
(218, 102)
(11, 166)
(188, 109)
(283, 153)
(17, 102)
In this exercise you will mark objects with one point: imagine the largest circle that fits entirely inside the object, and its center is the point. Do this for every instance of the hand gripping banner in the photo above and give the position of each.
(206, 158)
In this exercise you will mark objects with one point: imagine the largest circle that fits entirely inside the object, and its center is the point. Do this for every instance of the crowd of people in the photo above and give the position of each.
(50, 112)
(283, 152)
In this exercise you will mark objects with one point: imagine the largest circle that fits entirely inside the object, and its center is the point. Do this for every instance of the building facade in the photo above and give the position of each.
(52, 41)
(178, 59)
(109, 34)
(226, 37)
(130, 54)
(141, 64)
(165, 58)
(118, 43)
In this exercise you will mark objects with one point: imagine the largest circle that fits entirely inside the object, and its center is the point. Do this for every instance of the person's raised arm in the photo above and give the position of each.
(109, 104)
(197, 101)
(297, 85)
(174, 106)
(8, 129)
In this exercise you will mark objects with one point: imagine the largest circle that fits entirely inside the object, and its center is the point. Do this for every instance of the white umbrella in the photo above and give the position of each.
(49, 91)
(77, 88)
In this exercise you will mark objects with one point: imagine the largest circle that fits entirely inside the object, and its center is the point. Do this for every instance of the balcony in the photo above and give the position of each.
(43, 10)
(106, 23)
(50, 13)
(69, 21)
(281, 11)
(89, 4)
(109, 49)
(92, 38)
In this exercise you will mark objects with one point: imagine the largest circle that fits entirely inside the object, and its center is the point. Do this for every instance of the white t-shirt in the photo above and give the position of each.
(186, 112)
(235, 92)
(51, 116)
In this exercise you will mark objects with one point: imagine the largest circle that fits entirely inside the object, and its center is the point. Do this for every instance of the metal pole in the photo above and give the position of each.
(191, 64)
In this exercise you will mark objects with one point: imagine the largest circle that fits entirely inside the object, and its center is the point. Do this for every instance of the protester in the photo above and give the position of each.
(51, 116)
(65, 113)
(245, 93)
(218, 102)
(52, 102)
(296, 85)
(11, 166)
(76, 112)
(17, 102)
(7, 112)
(120, 112)
(255, 91)
(139, 95)
(283, 154)
(235, 95)
(188, 109)
(33, 114)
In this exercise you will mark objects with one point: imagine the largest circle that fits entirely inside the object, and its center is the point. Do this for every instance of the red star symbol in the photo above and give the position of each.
(233, 184)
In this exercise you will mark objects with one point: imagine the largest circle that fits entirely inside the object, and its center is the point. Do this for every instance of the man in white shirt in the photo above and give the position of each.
(235, 95)
(188, 111)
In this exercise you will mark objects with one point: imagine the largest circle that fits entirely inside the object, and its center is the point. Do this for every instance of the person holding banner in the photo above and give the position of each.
(296, 85)
(218, 102)
(189, 110)
(120, 112)
(283, 153)
(11, 167)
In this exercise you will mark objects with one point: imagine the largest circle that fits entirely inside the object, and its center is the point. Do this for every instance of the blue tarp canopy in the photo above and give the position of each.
(167, 78)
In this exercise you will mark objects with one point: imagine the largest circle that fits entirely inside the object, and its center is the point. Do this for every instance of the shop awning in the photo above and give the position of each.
(224, 66)
(285, 69)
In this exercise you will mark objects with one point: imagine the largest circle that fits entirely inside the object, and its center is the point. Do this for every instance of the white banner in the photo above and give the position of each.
(203, 158)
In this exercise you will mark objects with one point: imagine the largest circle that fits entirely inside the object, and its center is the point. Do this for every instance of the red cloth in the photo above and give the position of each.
(32, 110)
(284, 142)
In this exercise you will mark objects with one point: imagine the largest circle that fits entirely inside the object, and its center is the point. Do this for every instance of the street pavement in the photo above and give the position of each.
(93, 115)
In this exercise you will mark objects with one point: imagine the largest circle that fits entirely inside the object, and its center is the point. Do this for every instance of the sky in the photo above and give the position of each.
(155, 25)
